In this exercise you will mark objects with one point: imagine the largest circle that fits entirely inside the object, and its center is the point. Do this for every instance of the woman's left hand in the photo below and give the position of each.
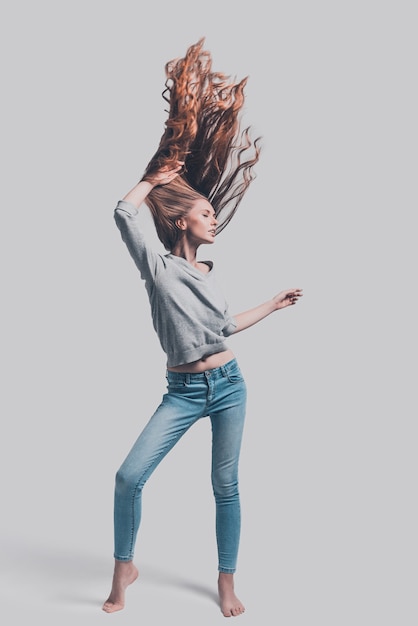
(287, 297)
(252, 316)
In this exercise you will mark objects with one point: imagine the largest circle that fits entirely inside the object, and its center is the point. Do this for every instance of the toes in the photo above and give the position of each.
(237, 610)
(111, 607)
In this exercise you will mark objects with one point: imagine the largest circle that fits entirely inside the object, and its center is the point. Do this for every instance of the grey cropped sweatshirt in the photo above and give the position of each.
(189, 312)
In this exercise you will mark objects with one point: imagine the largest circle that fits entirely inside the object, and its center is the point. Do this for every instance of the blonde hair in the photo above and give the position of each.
(167, 204)
(203, 131)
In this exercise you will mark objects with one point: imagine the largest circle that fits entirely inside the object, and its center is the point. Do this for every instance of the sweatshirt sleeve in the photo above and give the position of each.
(147, 260)
(230, 324)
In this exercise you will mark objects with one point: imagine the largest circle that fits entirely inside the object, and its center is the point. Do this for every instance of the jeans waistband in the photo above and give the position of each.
(215, 372)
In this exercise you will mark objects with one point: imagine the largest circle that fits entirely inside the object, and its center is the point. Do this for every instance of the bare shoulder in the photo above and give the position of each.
(205, 266)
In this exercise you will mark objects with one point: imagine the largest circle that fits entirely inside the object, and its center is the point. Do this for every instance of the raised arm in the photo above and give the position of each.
(126, 216)
(280, 301)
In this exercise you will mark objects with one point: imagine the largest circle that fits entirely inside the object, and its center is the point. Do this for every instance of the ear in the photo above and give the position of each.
(181, 223)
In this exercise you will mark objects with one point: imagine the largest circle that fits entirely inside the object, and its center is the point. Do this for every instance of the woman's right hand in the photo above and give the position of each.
(165, 175)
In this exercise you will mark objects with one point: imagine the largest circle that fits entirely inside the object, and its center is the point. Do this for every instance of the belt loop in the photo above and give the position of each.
(187, 379)
(224, 371)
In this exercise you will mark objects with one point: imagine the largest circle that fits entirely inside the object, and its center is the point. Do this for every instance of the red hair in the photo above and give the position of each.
(203, 130)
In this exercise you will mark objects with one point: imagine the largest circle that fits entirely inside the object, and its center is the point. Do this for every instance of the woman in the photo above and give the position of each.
(192, 186)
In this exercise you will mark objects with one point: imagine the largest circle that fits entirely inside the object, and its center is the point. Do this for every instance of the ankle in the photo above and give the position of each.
(225, 579)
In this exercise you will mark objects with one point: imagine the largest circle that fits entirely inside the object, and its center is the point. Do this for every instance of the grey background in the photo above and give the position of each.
(328, 466)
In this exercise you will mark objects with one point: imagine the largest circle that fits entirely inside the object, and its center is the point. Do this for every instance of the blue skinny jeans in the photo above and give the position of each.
(218, 393)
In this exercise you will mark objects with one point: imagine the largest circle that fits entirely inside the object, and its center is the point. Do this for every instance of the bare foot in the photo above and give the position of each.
(124, 575)
(230, 605)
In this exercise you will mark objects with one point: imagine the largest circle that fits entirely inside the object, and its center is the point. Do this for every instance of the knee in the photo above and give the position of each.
(225, 490)
(125, 481)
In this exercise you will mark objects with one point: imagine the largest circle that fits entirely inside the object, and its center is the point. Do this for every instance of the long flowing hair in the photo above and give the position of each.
(203, 130)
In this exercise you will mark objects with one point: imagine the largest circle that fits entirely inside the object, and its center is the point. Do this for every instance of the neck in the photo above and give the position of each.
(186, 250)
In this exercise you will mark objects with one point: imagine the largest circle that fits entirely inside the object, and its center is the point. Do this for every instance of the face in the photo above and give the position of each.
(200, 223)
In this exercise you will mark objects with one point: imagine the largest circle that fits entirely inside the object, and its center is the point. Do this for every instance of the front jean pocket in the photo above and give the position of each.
(235, 375)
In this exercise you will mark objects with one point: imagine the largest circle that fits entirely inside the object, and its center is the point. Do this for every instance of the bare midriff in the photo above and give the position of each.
(206, 363)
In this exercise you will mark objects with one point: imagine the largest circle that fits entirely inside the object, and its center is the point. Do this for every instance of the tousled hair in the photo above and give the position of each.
(203, 131)
(167, 204)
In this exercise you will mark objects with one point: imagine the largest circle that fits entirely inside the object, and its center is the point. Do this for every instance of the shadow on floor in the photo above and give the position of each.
(63, 576)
